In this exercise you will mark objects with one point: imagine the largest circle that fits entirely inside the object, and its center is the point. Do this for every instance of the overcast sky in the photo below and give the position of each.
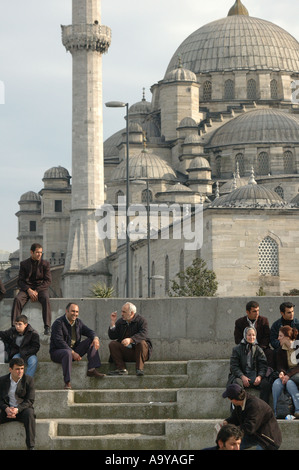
(35, 69)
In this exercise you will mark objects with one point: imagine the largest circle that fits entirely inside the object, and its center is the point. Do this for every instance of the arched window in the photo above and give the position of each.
(251, 89)
(288, 162)
(240, 164)
(207, 91)
(144, 196)
(166, 275)
(229, 90)
(279, 191)
(263, 164)
(274, 89)
(268, 257)
(117, 195)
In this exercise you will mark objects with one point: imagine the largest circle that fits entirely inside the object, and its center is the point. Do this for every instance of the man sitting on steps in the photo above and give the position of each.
(130, 340)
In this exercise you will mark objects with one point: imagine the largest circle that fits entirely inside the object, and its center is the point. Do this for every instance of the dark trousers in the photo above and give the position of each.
(64, 357)
(121, 354)
(28, 419)
(21, 300)
(265, 388)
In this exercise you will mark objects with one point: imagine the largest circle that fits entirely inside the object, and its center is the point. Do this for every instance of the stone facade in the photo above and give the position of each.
(221, 132)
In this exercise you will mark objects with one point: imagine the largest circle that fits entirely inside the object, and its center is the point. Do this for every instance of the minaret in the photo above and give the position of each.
(87, 40)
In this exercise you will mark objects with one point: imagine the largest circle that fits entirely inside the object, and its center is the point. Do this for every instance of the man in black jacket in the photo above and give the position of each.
(17, 395)
(34, 281)
(66, 345)
(131, 342)
(255, 418)
(22, 340)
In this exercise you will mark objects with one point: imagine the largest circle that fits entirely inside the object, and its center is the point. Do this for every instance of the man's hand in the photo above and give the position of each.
(245, 380)
(113, 318)
(126, 341)
(11, 412)
(76, 356)
(33, 294)
(96, 343)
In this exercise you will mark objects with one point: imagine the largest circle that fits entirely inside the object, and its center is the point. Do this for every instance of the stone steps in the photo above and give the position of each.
(175, 405)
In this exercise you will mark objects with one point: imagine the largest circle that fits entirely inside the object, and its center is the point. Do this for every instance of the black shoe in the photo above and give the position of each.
(139, 372)
(47, 330)
(118, 372)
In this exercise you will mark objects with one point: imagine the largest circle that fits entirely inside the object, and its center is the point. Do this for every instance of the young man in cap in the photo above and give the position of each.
(255, 418)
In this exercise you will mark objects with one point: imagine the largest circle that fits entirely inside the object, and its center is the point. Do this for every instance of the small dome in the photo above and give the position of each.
(142, 107)
(270, 126)
(145, 165)
(199, 163)
(180, 74)
(233, 184)
(30, 196)
(251, 195)
(178, 187)
(188, 122)
(56, 172)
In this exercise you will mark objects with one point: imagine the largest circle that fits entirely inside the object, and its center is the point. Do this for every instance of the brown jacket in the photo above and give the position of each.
(262, 330)
(43, 275)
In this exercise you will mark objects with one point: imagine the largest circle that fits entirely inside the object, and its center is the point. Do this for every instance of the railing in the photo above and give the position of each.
(86, 36)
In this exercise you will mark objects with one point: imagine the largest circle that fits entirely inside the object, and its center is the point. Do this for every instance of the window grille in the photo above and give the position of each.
(207, 91)
(251, 89)
(263, 164)
(268, 257)
(274, 89)
(239, 161)
(288, 162)
(279, 191)
(229, 90)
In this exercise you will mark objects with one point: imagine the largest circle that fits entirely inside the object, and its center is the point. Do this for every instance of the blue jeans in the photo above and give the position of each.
(291, 387)
(31, 364)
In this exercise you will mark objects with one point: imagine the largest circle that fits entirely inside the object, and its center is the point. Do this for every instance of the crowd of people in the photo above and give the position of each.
(264, 358)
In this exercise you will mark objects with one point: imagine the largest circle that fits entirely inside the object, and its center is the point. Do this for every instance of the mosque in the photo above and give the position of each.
(221, 131)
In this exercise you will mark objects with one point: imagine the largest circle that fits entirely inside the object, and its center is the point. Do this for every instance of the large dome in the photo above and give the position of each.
(238, 42)
(269, 126)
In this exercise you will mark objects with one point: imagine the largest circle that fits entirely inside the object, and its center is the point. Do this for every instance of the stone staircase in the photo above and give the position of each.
(174, 406)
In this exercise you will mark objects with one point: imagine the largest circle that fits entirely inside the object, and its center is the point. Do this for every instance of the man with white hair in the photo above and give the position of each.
(130, 340)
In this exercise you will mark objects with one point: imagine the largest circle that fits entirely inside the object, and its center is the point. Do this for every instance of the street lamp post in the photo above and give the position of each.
(120, 104)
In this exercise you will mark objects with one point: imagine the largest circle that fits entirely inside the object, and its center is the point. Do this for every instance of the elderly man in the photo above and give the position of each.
(130, 340)
(66, 345)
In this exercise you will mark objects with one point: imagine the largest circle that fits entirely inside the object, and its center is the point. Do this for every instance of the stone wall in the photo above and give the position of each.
(180, 328)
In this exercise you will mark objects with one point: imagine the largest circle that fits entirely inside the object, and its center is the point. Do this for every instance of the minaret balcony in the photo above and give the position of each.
(93, 37)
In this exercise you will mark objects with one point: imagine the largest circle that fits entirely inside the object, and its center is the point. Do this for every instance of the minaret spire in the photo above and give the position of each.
(86, 39)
